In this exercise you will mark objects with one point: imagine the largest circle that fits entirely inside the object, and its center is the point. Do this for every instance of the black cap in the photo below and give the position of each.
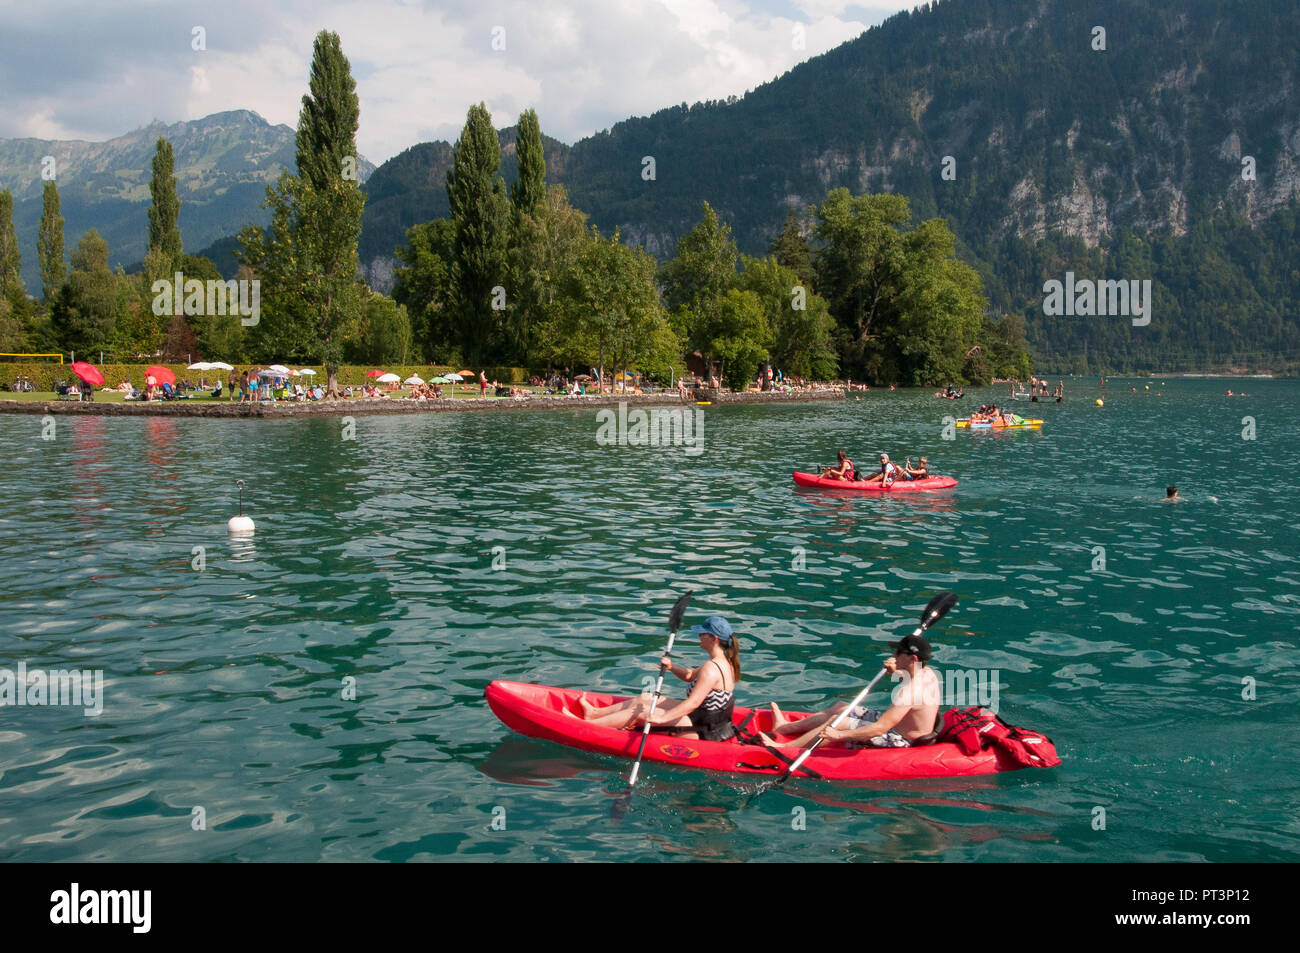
(914, 645)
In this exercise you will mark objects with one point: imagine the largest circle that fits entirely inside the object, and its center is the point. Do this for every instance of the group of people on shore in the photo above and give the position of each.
(888, 473)
(252, 386)
(707, 710)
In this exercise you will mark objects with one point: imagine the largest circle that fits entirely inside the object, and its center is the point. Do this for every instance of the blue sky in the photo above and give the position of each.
(85, 70)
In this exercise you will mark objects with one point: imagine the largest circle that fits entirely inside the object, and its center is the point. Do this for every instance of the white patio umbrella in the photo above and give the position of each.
(413, 379)
(306, 371)
(220, 366)
(280, 370)
(389, 378)
(200, 366)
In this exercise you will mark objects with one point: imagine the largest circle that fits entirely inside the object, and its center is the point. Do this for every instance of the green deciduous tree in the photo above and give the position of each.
(423, 287)
(737, 336)
(911, 310)
(790, 248)
(698, 277)
(90, 303)
(384, 335)
(613, 314)
(802, 343)
(548, 243)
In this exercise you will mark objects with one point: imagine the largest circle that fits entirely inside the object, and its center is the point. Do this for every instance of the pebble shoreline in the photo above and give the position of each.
(357, 406)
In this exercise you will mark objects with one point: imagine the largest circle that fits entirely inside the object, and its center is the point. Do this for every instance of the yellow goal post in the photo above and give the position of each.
(6, 354)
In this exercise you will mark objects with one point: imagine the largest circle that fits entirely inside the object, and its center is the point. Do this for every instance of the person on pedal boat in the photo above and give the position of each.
(706, 713)
(842, 472)
(911, 716)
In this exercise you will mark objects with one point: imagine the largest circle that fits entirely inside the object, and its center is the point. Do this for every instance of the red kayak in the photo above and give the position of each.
(553, 714)
(861, 486)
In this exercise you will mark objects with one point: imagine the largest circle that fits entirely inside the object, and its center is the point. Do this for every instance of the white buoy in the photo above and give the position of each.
(240, 523)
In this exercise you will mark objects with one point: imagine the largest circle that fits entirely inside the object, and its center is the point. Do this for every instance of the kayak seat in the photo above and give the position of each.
(933, 736)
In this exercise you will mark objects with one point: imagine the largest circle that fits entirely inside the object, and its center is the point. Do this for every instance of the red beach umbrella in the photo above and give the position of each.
(375, 373)
(161, 374)
(88, 373)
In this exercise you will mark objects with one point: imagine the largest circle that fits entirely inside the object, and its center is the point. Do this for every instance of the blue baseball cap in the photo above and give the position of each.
(717, 626)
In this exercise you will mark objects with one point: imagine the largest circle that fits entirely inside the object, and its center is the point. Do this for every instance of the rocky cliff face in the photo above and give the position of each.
(1056, 119)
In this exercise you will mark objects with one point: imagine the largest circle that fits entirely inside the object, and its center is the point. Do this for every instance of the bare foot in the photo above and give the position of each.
(779, 720)
(587, 707)
(768, 740)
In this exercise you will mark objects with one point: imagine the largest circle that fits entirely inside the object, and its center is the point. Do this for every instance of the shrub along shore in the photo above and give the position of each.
(395, 405)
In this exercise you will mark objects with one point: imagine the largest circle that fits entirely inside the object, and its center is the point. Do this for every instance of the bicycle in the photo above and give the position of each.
(22, 386)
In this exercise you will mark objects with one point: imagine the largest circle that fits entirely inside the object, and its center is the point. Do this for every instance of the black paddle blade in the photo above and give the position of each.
(618, 810)
(679, 610)
(938, 608)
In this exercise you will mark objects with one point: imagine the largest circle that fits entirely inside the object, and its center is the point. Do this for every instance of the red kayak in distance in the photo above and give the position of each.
(553, 714)
(861, 486)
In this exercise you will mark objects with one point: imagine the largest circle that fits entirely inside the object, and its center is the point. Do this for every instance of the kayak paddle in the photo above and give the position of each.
(624, 800)
(936, 609)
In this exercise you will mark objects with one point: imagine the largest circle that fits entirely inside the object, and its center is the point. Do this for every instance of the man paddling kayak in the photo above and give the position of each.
(911, 717)
(706, 712)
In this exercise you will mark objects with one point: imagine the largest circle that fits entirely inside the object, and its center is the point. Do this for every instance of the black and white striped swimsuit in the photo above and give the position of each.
(712, 720)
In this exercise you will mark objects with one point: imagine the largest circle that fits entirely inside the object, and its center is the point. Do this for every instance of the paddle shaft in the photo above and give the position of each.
(836, 723)
(654, 700)
(936, 610)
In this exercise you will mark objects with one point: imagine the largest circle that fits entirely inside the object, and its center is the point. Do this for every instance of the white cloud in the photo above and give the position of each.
(582, 64)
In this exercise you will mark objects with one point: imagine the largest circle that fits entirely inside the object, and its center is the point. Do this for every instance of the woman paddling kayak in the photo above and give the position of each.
(707, 711)
(842, 472)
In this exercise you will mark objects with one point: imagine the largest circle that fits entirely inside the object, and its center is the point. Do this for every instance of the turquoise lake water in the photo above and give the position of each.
(1168, 679)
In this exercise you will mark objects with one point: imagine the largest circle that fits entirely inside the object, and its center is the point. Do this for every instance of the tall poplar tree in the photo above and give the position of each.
(327, 124)
(529, 190)
(164, 232)
(11, 262)
(479, 208)
(309, 267)
(49, 243)
(331, 201)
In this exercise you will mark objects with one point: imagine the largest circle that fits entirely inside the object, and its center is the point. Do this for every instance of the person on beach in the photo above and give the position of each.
(910, 718)
(707, 711)
(482, 383)
(842, 472)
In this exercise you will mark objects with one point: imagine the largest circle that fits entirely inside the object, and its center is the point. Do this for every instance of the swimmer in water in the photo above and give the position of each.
(1171, 495)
